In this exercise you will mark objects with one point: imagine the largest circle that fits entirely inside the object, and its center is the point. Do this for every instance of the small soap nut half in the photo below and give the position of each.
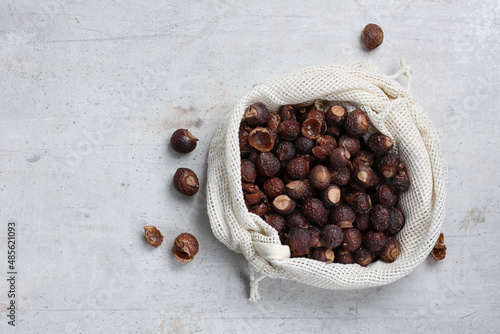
(153, 235)
(186, 181)
(185, 247)
(182, 141)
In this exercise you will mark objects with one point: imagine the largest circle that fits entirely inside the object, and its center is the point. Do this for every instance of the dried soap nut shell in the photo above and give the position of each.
(296, 219)
(351, 144)
(343, 216)
(339, 157)
(285, 151)
(304, 145)
(385, 196)
(320, 177)
(182, 141)
(299, 240)
(153, 236)
(331, 196)
(267, 164)
(439, 251)
(185, 247)
(289, 130)
(379, 218)
(248, 171)
(374, 241)
(396, 221)
(313, 209)
(186, 181)
(379, 143)
(286, 113)
(363, 257)
(343, 256)
(356, 123)
(297, 189)
(387, 165)
(283, 204)
(276, 221)
(352, 239)
(261, 139)
(298, 168)
(332, 236)
(335, 115)
(273, 187)
(323, 254)
(273, 122)
(390, 251)
(372, 36)
(313, 128)
(256, 114)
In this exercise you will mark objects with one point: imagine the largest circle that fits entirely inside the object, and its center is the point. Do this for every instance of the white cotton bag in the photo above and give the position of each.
(392, 110)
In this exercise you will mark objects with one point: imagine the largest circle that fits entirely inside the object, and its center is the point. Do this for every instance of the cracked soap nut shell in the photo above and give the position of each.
(186, 181)
(256, 114)
(261, 139)
(372, 36)
(283, 204)
(153, 235)
(182, 141)
(439, 250)
(185, 247)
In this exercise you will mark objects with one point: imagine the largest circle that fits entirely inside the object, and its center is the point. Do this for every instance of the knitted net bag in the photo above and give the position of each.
(392, 110)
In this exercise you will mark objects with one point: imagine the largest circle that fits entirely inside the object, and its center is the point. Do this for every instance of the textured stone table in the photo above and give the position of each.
(92, 90)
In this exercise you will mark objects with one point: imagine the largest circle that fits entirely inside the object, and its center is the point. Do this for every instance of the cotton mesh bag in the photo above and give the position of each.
(393, 111)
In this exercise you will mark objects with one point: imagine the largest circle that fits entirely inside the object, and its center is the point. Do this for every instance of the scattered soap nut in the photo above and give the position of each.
(185, 247)
(153, 235)
(182, 141)
(186, 181)
(439, 250)
(372, 36)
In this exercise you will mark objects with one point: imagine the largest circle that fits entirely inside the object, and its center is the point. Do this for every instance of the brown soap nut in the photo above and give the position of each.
(186, 181)
(153, 235)
(304, 145)
(285, 151)
(283, 204)
(335, 115)
(352, 239)
(267, 164)
(276, 221)
(296, 219)
(298, 168)
(439, 250)
(299, 241)
(182, 141)
(273, 187)
(363, 257)
(322, 105)
(359, 201)
(313, 128)
(401, 182)
(331, 196)
(379, 218)
(254, 154)
(343, 256)
(301, 114)
(385, 196)
(320, 153)
(342, 215)
(289, 130)
(323, 254)
(364, 157)
(362, 222)
(286, 113)
(320, 177)
(387, 165)
(396, 221)
(273, 122)
(351, 144)
(248, 171)
(315, 236)
(379, 143)
(334, 130)
(356, 123)
(260, 209)
(340, 176)
(249, 188)
(298, 189)
(364, 175)
(339, 157)
(243, 141)
(313, 209)
(353, 187)
(327, 142)
(390, 251)
(372, 36)
(255, 198)
(318, 114)
(261, 139)
(374, 241)
(185, 247)
(332, 236)
(256, 114)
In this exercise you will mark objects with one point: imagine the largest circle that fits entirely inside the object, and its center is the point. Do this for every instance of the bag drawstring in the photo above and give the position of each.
(255, 278)
(403, 69)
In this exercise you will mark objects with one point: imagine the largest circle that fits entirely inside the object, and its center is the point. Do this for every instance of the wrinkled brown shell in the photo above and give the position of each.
(153, 235)
(439, 250)
(185, 247)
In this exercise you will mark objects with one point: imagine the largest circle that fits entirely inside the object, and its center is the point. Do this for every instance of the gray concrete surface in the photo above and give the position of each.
(92, 90)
